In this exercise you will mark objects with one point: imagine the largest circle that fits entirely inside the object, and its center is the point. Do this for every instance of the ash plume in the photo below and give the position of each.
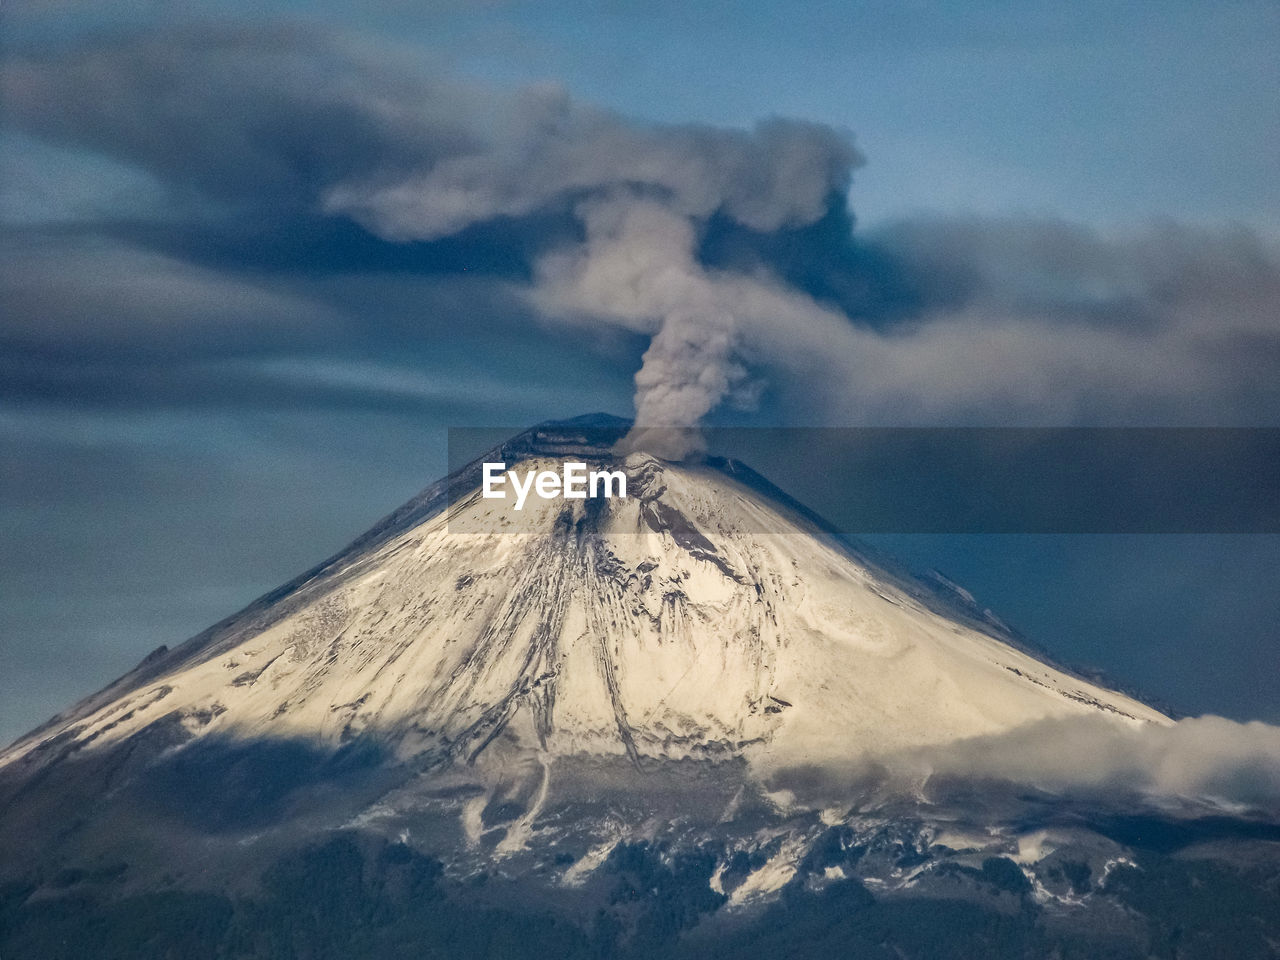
(412, 159)
(730, 252)
(642, 196)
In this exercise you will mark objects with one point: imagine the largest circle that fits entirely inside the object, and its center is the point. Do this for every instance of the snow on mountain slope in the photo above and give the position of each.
(696, 618)
(667, 723)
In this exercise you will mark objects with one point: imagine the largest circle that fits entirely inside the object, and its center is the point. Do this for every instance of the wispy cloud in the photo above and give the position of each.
(1201, 760)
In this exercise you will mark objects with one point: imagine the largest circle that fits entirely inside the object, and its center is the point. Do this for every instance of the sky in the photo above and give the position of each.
(254, 264)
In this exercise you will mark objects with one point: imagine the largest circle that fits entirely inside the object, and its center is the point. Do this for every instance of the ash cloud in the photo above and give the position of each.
(294, 159)
(641, 194)
(638, 269)
(1167, 323)
(294, 120)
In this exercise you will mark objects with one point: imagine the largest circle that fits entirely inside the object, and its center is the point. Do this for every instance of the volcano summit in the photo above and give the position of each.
(640, 725)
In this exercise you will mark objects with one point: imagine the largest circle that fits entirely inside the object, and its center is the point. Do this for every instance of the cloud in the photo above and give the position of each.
(268, 115)
(549, 149)
(638, 269)
(292, 119)
(83, 296)
(642, 194)
(1053, 323)
(296, 114)
(1019, 320)
(298, 161)
(1202, 759)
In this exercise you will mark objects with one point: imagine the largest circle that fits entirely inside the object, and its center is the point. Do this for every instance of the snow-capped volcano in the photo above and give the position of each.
(700, 616)
(687, 722)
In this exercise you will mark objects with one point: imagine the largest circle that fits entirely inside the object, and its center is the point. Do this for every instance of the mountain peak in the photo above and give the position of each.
(704, 615)
(699, 663)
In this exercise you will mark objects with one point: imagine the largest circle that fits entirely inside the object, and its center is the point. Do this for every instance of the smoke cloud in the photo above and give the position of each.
(637, 268)
(421, 161)
(730, 253)
(643, 196)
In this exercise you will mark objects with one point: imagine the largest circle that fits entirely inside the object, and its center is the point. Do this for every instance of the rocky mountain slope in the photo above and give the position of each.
(697, 683)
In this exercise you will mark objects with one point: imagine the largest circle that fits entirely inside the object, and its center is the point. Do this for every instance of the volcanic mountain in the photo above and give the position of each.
(697, 670)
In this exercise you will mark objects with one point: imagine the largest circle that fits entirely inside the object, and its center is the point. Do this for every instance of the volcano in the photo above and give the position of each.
(646, 721)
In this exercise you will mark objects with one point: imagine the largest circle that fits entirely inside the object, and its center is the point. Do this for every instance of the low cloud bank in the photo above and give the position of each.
(1204, 759)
